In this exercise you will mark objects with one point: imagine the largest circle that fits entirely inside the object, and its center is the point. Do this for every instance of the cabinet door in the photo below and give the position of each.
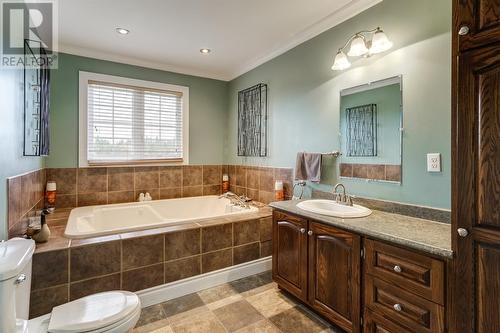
(334, 275)
(476, 194)
(481, 17)
(290, 254)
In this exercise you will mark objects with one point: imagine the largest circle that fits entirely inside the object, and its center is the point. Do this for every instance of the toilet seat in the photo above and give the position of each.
(95, 313)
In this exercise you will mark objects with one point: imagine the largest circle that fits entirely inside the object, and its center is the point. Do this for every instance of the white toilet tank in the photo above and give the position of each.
(15, 281)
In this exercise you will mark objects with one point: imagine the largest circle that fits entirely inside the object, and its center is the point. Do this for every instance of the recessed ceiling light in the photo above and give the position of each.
(122, 31)
(205, 51)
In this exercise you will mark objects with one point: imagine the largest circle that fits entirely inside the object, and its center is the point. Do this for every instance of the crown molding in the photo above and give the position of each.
(343, 14)
(96, 54)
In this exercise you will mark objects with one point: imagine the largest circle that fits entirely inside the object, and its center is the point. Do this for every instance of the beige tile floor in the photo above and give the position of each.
(250, 305)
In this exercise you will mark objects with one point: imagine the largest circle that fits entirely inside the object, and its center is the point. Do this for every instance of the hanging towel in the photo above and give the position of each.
(308, 167)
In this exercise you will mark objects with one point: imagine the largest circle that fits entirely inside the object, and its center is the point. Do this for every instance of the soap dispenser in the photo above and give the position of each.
(43, 235)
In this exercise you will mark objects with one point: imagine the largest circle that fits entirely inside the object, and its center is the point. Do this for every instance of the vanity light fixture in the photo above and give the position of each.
(362, 46)
(205, 51)
(122, 31)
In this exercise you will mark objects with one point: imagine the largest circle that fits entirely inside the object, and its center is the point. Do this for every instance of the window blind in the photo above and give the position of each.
(133, 124)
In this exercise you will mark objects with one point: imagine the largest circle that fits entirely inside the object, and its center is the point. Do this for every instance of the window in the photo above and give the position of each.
(127, 121)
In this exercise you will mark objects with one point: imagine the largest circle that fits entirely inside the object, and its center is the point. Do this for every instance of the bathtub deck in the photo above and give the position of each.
(57, 224)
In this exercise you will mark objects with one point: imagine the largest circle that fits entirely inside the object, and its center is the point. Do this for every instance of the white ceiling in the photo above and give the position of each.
(168, 34)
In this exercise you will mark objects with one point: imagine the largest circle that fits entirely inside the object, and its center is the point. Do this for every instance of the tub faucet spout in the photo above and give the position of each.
(235, 199)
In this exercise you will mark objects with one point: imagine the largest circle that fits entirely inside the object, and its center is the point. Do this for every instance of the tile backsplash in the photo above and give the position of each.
(78, 187)
(25, 196)
(97, 186)
(258, 182)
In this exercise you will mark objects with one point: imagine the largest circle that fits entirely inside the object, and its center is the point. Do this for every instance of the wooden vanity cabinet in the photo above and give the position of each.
(320, 265)
(403, 290)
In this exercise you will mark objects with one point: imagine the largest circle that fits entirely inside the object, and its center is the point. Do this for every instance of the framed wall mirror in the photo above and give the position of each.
(371, 121)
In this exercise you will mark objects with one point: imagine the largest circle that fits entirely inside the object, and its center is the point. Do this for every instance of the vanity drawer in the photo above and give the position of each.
(402, 307)
(375, 323)
(414, 272)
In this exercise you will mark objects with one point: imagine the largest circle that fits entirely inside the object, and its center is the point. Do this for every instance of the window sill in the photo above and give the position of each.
(138, 163)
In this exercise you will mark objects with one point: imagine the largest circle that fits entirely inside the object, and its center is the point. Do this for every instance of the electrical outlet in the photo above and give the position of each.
(434, 162)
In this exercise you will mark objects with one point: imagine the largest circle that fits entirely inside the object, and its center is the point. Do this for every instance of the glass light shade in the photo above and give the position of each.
(358, 47)
(380, 42)
(341, 62)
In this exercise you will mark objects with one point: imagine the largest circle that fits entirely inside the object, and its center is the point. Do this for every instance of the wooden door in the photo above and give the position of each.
(290, 254)
(477, 22)
(475, 278)
(334, 275)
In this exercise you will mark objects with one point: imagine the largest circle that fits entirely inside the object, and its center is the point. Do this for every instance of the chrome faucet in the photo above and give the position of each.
(342, 198)
(235, 199)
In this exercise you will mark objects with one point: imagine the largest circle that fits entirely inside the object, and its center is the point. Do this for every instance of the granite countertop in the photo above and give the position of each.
(419, 234)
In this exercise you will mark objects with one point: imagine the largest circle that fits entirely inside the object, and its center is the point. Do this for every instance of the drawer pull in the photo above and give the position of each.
(397, 307)
(397, 269)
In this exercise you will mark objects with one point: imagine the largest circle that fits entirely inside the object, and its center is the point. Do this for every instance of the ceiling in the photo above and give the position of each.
(168, 34)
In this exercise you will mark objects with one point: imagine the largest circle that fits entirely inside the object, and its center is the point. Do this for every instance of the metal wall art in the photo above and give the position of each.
(252, 121)
(362, 130)
(36, 100)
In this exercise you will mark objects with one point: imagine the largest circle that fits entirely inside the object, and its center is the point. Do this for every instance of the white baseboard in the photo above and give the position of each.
(196, 283)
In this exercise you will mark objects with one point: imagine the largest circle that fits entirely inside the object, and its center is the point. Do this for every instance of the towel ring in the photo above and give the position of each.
(302, 184)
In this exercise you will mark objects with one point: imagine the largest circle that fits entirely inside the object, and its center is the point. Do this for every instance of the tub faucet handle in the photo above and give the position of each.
(141, 197)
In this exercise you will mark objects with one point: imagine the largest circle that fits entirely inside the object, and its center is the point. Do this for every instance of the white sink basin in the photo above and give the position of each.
(331, 208)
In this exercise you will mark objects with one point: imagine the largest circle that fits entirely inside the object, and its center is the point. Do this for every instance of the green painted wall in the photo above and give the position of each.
(388, 101)
(304, 97)
(12, 161)
(207, 108)
(303, 103)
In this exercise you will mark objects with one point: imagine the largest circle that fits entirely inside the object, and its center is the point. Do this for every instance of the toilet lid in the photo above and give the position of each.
(93, 312)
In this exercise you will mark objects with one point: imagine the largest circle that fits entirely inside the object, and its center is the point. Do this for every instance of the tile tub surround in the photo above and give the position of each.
(251, 304)
(25, 196)
(258, 182)
(108, 185)
(65, 269)
(78, 187)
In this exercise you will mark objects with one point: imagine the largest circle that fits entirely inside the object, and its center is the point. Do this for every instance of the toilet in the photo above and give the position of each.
(109, 312)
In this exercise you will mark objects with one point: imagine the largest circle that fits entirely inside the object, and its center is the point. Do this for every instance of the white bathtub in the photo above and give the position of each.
(102, 220)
